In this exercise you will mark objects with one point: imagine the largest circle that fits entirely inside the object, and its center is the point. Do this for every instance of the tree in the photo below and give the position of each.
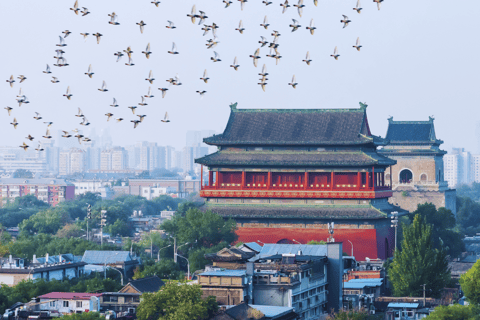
(70, 231)
(419, 263)
(176, 301)
(47, 221)
(468, 215)
(22, 173)
(83, 316)
(442, 222)
(316, 242)
(164, 269)
(454, 312)
(119, 227)
(470, 283)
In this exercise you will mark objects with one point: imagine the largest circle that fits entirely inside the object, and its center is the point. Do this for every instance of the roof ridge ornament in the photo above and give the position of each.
(431, 118)
(363, 105)
(233, 106)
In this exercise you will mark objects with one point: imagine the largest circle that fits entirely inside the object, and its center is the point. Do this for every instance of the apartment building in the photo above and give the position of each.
(72, 161)
(114, 159)
(51, 191)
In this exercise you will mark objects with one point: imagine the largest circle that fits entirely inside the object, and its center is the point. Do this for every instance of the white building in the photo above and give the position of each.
(70, 302)
(154, 192)
(114, 159)
(461, 167)
(72, 161)
(476, 167)
(94, 186)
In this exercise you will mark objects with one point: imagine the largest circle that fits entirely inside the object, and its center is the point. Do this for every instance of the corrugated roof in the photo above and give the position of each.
(225, 273)
(295, 127)
(272, 311)
(108, 257)
(270, 249)
(70, 295)
(255, 246)
(360, 285)
(403, 305)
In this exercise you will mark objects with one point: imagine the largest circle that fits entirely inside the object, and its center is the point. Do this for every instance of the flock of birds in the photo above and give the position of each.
(212, 43)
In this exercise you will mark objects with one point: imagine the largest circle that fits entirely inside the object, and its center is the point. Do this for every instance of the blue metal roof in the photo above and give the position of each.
(272, 311)
(403, 305)
(359, 285)
(225, 273)
(254, 246)
(106, 257)
(366, 280)
(270, 249)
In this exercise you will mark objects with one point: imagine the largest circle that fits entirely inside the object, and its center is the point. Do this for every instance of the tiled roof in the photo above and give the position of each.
(229, 254)
(271, 249)
(108, 257)
(295, 158)
(295, 212)
(148, 284)
(411, 131)
(403, 305)
(295, 127)
(69, 295)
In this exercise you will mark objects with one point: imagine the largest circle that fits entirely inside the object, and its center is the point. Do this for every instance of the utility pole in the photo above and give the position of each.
(395, 225)
(151, 246)
(89, 216)
(103, 222)
(424, 299)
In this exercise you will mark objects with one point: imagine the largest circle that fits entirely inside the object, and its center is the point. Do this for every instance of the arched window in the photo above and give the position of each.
(423, 177)
(406, 176)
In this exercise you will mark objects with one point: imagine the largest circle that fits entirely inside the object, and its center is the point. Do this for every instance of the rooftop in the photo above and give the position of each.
(44, 181)
(69, 295)
(403, 305)
(148, 284)
(225, 273)
(411, 131)
(272, 311)
(272, 249)
(296, 127)
(106, 257)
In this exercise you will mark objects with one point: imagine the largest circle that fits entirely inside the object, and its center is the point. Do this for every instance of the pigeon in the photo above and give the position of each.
(150, 77)
(29, 137)
(205, 77)
(202, 16)
(174, 49)
(47, 135)
(262, 83)
(235, 64)
(149, 94)
(37, 116)
(358, 7)
(379, 3)
(84, 12)
(135, 123)
(119, 55)
(62, 42)
(114, 104)
(98, 35)
(39, 148)
(242, 4)
(141, 117)
(164, 91)
(285, 6)
(171, 25)
(166, 118)
(80, 113)
(9, 109)
(357, 45)
(206, 29)
(267, 2)
(295, 25)
(216, 58)
(75, 7)
(130, 62)
(85, 122)
(307, 59)
(113, 19)
(85, 35)
(202, 93)
(47, 70)
(21, 78)
(263, 42)
(66, 134)
(240, 27)
(14, 123)
(255, 57)
(24, 146)
(11, 81)
(109, 115)
(300, 7)
(142, 26)
(193, 14)
(311, 27)
(143, 103)
(48, 123)
(55, 80)
(156, 3)
(66, 33)
(132, 108)
(119, 119)
(293, 83)
(177, 82)
(227, 3)
(104, 87)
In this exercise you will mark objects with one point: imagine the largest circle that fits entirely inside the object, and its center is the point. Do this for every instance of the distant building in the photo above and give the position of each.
(418, 175)
(461, 167)
(139, 286)
(72, 161)
(14, 270)
(12, 160)
(51, 191)
(251, 311)
(68, 302)
(182, 188)
(361, 294)
(114, 159)
(123, 260)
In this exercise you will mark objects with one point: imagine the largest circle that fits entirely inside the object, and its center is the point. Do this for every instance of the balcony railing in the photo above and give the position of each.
(291, 186)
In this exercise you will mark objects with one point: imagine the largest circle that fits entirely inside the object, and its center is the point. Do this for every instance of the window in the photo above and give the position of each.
(110, 299)
(65, 304)
(79, 304)
(52, 303)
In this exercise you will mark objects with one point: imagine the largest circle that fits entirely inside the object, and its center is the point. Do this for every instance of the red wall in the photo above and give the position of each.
(365, 241)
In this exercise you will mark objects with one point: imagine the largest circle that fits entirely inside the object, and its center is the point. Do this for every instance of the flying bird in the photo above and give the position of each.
(206, 29)
(240, 27)
(39, 148)
(171, 25)
(85, 122)
(295, 25)
(48, 123)
(164, 91)
(47, 70)
(119, 55)
(202, 16)
(89, 72)
(80, 113)
(132, 108)
(300, 7)
(55, 80)
(22, 78)
(156, 3)
(119, 119)
(176, 81)
(37, 116)
(166, 118)
(263, 84)
(255, 57)
(113, 19)
(14, 123)
(235, 65)
(216, 58)
(143, 103)
(75, 7)
(174, 49)
(193, 14)
(66, 33)
(109, 115)
(150, 77)
(9, 109)
(68, 94)
(263, 42)
(47, 135)
(242, 4)
(29, 137)
(130, 62)
(285, 6)
(379, 3)
(147, 51)
(24, 146)
(345, 21)
(205, 77)
(267, 2)
(114, 104)
(357, 45)
(104, 87)
(265, 23)
(202, 93)
(11, 81)
(62, 42)
(358, 7)
(227, 3)
(149, 94)
(141, 117)
(98, 35)
(293, 83)
(335, 54)
(264, 72)
(85, 35)
(135, 123)
(311, 27)
(307, 59)
(128, 51)
(142, 26)
(85, 11)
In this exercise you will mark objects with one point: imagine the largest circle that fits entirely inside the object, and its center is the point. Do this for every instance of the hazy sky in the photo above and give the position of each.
(419, 58)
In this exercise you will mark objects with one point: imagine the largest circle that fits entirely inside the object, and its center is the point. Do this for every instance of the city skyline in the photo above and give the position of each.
(403, 72)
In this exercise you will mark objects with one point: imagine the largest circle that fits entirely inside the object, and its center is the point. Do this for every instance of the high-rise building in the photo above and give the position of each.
(476, 167)
(50, 155)
(114, 159)
(459, 167)
(177, 161)
(72, 161)
(189, 156)
(169, 157)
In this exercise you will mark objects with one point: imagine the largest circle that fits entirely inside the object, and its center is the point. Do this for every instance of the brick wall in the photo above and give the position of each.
(409, 200)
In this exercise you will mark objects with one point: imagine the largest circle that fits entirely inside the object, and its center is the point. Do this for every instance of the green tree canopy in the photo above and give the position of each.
(83, 316)
(442, 222)
(176, 301)
(470, 283)
(22, 173)
(165, 269)
(454, 312)
(468, 215)
(419, 263)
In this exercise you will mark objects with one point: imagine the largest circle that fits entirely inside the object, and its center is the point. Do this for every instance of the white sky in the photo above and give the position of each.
(419, 58)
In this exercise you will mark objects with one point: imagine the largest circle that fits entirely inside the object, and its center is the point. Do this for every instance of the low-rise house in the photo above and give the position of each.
(361, 293)
(121, 303)
(307, 278)
(147, 284)
(15, 270)
(400, 311)
(68, 302)
(122, 260)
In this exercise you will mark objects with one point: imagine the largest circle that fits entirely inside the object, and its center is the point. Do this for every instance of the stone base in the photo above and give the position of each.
(410, 199)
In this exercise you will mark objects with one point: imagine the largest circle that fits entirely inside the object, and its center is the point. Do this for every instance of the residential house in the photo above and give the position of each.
(123, 260)
(361, 293)
(148, 284)
(68, 302)
(400, 311)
